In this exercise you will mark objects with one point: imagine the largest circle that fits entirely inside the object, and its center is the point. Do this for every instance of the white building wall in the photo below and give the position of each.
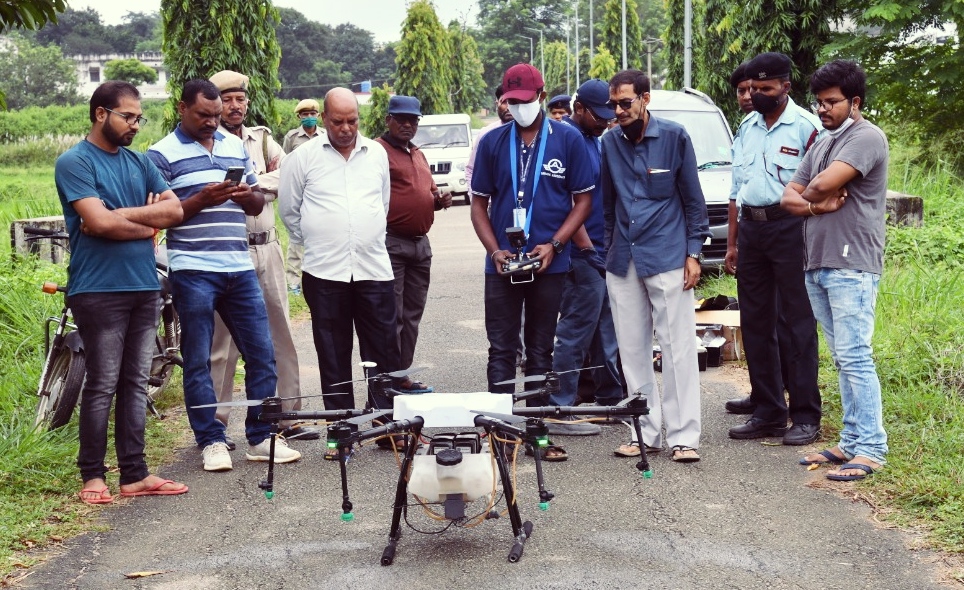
(90, 72)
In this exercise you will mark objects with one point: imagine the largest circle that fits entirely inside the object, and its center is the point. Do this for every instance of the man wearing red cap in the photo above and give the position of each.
(537, 177)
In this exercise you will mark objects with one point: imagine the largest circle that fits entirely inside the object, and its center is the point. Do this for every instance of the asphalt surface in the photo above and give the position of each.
(746, 516)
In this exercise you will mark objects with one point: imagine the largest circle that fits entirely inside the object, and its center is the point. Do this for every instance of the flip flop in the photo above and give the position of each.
(416, 387)
(683, 454)
(157, 491)
(826, 454)
(867, 469)
(550, 453)
(631, 449)
(100, 499)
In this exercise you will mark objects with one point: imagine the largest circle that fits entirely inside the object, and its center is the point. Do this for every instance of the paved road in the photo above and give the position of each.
(745, 517)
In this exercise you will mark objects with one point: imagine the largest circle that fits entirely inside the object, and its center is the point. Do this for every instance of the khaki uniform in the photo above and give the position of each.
(268, 262)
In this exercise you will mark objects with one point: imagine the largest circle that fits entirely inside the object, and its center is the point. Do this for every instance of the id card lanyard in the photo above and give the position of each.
(519, 213)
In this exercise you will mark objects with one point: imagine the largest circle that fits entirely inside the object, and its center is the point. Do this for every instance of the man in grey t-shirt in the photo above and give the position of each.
(840, 189)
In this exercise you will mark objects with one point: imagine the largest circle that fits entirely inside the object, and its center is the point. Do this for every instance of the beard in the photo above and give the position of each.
(118, 139)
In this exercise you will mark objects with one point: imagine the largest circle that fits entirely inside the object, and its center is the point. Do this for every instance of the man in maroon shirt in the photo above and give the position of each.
(414, 201)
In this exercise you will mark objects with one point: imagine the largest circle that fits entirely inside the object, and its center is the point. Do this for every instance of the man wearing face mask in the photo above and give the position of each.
(773, 140)
(537, 176)
(840, 191)
(307, 110)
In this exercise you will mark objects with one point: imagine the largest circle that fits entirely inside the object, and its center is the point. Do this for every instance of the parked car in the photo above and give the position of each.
(446, 141)
(712, 140)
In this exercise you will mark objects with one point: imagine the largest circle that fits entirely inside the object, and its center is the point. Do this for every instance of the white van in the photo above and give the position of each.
(446, 141)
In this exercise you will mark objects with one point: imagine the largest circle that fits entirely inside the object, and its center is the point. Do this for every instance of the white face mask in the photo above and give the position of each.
(525, 114)
(843, 127)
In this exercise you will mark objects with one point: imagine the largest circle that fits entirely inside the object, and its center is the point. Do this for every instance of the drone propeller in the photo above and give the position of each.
(510, 418)
(533, 378)
(396, 374)
(253, 402)
(366, 417)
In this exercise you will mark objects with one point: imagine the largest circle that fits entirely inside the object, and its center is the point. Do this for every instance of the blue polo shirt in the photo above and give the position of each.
(764, 160)
(566, 170)
(120, 180)
(216, 239)
(595, 224)
(652, 201)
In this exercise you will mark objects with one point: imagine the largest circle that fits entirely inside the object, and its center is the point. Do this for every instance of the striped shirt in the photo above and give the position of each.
(214, 240)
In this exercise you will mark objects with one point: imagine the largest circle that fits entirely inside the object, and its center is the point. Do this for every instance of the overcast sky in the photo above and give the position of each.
(382, 17)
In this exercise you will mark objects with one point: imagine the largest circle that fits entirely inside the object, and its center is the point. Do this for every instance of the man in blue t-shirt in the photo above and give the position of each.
(536, 176)
(114, 200)
(211, 271)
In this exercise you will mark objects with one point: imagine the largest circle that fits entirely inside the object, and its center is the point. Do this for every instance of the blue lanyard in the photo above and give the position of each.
(513, 158)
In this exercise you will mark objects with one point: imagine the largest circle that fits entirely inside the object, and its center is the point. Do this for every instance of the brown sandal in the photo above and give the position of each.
(683, 454)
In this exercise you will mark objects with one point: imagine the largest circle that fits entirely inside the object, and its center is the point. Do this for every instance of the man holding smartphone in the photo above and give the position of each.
(267, 257)
(211, 271)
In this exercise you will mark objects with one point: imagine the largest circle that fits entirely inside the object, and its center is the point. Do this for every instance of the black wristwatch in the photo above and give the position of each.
(557, 246)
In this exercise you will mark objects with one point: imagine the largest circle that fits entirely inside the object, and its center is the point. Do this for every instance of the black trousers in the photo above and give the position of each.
(771, 288)
(335, 308)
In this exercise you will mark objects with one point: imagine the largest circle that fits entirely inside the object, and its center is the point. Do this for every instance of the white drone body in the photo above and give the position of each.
(474, 475)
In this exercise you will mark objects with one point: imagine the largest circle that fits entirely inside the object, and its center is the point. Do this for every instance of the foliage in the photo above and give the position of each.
(603, 64)
(559, 64)
(503, 24)
(612, 33)
(81, 32)
(15, 14)
(468, 87)
(34, 75)
(201, 39)
(908, 51)
(424, 59)
(129, 70)
(373, 122)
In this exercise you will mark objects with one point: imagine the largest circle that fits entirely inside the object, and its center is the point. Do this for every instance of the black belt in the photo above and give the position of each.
(261, 238)
(771, 213)
(410, 238)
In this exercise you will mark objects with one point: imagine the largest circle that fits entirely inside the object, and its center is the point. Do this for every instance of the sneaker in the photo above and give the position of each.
(216, 457)
(282, 452)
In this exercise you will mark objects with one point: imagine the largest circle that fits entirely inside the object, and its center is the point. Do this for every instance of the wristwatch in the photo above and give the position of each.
(697, 255)
(557, 246)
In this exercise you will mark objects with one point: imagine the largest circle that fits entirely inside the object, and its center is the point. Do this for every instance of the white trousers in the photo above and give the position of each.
(659, 302)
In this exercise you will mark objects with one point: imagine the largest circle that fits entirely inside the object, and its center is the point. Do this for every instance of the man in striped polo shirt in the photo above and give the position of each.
(211, 270)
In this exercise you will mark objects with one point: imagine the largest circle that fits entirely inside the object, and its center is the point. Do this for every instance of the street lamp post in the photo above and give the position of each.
(542, 50)
(576, 28)
(531, 47)
(625, 57)
(651, 44)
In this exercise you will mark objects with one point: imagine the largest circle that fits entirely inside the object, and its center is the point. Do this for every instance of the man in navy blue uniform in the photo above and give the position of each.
(536, 175)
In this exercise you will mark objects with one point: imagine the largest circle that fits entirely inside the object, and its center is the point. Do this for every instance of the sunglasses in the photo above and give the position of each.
(624, 104)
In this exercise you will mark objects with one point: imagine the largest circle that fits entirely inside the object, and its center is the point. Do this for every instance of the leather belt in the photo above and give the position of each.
(262, 237)
(770, 213)
(410, 238)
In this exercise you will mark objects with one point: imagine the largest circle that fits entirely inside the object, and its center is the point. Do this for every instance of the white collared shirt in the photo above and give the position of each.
(338, 209)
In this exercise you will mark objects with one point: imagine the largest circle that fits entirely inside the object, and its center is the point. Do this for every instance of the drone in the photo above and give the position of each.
(453, 469)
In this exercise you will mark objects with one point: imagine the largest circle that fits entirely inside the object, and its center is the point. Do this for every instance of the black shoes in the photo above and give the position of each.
(755, 428)
(300, 433)
(801, 434)
(741, 405)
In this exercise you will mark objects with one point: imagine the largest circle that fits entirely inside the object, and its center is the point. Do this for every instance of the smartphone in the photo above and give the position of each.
(234, 174)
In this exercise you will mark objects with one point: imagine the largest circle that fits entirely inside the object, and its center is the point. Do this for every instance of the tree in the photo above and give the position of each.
(16, 14)
(138, 33)
(203, 38)
(130, 70)
(34, 75)
(424, 57)
(555, 74)
(612, 33)
(77, 32)
(373, 123)
(603, 64)
(468, 87)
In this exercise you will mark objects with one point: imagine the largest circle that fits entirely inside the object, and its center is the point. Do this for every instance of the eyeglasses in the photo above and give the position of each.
(403, 119)
(625, 104)
(128, 117)
(599, 119)
(826, 105)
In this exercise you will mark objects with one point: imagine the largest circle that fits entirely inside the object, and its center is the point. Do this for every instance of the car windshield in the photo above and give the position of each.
(711, 138)
(441, 136)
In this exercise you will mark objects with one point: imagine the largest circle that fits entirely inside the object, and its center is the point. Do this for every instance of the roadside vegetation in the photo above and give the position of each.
(919, 347)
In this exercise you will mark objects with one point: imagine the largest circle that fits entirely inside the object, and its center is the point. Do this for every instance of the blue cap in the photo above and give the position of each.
(561, 100)
(404, 105)
(595, 95)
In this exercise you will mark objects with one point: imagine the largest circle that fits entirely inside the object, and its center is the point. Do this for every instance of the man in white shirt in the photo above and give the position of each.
(333, 197)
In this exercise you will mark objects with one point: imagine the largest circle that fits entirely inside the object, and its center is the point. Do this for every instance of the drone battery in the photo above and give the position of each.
(469, 442)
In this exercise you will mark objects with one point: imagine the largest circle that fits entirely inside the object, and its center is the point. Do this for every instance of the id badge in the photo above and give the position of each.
(519, 217)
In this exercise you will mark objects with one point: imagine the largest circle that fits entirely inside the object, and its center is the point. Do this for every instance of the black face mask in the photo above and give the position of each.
(634, 130)
(764, 104)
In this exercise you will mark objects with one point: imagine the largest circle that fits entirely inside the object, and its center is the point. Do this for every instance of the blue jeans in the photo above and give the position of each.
(843, 302)
(237, 298)
(118, 331)
(585, 327)
(503, 321)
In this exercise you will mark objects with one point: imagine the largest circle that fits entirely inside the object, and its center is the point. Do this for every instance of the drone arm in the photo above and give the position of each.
(501, 426)
(393, 427)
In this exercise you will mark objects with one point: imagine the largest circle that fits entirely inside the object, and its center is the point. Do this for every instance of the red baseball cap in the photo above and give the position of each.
(522, 82)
